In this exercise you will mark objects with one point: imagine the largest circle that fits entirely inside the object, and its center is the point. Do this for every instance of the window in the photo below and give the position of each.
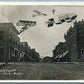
(82, 51)
(1, 51)
(1, 35)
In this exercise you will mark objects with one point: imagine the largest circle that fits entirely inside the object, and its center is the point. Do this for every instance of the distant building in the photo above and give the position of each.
(35, 56)
(73, 47)
(47, 59)
(24, 51)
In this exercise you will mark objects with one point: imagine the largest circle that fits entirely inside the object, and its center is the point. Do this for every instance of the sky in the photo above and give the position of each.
(40, 37)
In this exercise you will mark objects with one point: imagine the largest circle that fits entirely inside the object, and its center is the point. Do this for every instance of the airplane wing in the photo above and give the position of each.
(40, 13)
(67, 16)
(37, 12)
(73, 17)
(26, 23)
(34, 15)
(23, 29)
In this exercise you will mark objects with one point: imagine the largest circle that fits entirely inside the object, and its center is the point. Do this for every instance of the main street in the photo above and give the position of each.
(42, 71)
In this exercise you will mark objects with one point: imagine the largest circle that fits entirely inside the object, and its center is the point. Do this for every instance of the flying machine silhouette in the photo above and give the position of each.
(69, 17)
(25, 24)
(61, 19)
(38, 13)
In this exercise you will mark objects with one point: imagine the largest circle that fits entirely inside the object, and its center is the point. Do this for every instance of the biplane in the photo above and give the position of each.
(25, 24)
(38, 13)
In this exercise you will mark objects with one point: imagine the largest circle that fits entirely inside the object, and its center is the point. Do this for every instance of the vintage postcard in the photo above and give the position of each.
(41, 41)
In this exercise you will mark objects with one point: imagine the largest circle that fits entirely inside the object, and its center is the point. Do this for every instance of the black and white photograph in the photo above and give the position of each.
(41, 42)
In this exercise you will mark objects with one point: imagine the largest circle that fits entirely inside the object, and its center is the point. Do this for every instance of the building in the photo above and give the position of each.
(47, 59)
(9, 42)
(75, 41)
(73, 47)
(11, 49)
(24, 51)
(35, 56)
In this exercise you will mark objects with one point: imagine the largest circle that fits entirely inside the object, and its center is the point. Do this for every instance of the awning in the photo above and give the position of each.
(57, 56)
(61, 55)
(65, 53)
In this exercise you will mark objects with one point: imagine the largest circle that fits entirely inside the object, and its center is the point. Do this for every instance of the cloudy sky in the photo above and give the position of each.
(40, 37)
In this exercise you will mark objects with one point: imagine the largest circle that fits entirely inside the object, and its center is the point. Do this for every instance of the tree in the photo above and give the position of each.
(34, 55)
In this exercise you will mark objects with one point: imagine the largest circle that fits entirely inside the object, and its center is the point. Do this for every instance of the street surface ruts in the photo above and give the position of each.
(43, 71)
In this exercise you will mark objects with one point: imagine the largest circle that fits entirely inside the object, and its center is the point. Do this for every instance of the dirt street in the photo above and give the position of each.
(42, 71)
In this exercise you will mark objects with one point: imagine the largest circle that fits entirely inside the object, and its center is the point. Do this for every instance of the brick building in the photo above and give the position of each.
(9, 42)
(74, 43)
(11, 49)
